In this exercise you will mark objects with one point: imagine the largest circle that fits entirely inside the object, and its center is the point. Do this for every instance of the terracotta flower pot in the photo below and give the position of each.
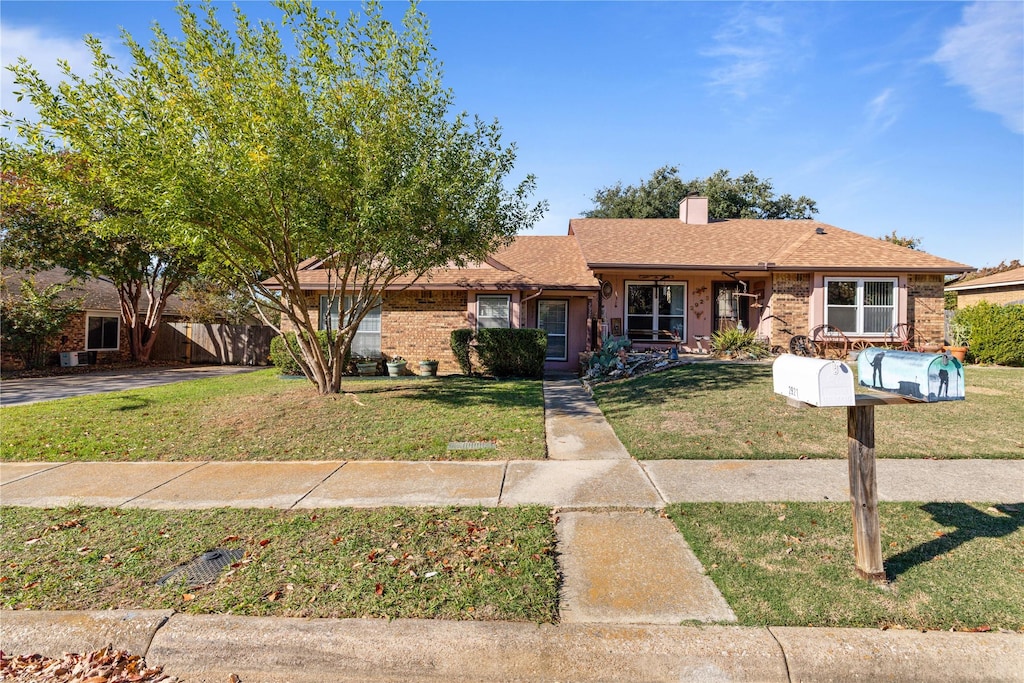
(958, 352)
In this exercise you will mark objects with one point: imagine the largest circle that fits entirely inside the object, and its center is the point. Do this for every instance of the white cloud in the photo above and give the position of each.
(751, 49)
(985, 54)
(42, 51)
(882, 111)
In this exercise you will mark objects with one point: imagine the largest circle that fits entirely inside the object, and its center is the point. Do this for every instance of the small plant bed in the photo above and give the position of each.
(729, 410)
(442, 563)
(950, 565)
(259, 416)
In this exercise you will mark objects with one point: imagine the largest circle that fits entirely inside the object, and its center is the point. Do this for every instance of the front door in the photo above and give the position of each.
(730, 308)
(553, 318)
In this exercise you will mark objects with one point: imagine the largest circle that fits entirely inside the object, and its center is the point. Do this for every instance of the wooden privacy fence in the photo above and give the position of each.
(213, 343)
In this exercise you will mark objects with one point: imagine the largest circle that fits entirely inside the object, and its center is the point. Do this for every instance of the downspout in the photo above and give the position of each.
(522, 308)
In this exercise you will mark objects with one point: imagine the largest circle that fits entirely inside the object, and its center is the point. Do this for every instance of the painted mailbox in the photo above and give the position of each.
(813, 380)
(928, 377)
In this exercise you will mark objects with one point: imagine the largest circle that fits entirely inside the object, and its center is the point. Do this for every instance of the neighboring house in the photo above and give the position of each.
(658, 280)
(1002, 288)
(98, 327)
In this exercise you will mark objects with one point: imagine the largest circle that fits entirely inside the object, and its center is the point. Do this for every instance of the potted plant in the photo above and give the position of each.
(396, 366)
(960, 336)
(366, 367)
(428, 368)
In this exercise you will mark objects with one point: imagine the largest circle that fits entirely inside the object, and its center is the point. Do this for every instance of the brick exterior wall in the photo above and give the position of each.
(417, 325)
(925, 304)
(994, 295)
(791, 294)
(72, 338)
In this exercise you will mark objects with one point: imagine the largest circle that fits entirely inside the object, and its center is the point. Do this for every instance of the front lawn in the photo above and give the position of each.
(445, 563)
(258, 416)
(728, 410)
(950, 565)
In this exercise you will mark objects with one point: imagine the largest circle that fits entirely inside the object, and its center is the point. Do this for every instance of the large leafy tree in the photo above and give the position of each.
(336, 140)
(746, 196)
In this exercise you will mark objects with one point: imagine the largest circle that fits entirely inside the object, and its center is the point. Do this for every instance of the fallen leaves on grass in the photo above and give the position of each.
(102, 666)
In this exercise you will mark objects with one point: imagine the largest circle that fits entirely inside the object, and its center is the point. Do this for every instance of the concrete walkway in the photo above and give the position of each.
(628, 577)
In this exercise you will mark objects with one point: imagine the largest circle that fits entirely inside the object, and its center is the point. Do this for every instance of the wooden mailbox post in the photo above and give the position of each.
(821, 383)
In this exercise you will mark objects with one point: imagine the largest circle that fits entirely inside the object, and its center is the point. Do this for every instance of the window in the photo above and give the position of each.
(862, 305)
(102, 333)
(492, 311)
(553, 317)
(653, 308)
(366, 341)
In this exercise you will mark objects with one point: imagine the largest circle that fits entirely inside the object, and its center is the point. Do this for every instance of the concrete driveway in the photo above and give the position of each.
(15, 392)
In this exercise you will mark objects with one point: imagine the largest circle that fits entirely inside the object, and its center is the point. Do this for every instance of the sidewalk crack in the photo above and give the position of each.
(647, 474)
(785, 660)
(165, 483)
(318, 485)
(501, 488)
(152, 636)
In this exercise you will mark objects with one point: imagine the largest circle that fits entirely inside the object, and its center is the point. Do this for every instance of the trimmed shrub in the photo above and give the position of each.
(460, 343)
(736, 343)
(283, 361)
(997, 333)
(512, 352)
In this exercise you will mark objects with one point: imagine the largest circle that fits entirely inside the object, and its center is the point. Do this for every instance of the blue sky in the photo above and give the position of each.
(893, 116)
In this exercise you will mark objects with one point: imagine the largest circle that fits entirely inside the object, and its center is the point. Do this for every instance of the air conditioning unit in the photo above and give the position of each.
(68, 359)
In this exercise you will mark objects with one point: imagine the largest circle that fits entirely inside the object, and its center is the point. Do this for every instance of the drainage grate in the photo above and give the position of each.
(471, 445)
(203, 569)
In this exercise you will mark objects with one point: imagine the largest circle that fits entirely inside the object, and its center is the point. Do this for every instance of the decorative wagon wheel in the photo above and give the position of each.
(830, 342)
(800, 345)
(860, 345)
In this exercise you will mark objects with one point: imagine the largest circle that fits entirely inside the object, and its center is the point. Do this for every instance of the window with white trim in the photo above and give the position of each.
(493, 311)
(553, 318)
(864, 306)
(102, 332)
(653, 307)
(366, 341)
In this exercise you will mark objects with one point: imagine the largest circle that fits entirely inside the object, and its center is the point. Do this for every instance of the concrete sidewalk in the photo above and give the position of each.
(570, 485)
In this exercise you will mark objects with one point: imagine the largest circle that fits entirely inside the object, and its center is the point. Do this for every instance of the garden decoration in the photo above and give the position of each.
(897, 378)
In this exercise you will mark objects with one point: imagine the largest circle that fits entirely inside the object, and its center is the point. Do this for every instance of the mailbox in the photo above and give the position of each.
(928, 377)
(813, 380)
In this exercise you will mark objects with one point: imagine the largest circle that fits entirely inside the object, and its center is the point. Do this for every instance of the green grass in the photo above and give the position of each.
(951, 565)
(728, 410)
(469, 563)
(258, 416)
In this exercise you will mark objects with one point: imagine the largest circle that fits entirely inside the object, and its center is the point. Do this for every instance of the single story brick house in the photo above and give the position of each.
(661, 282)
(1001, 288)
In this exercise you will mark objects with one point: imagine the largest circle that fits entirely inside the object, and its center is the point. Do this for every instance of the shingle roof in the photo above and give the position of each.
(1007, 277)
(99, 295)
(743, 244)
(531, 261)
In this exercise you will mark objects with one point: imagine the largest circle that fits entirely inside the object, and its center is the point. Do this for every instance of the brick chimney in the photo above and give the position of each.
(694, 210)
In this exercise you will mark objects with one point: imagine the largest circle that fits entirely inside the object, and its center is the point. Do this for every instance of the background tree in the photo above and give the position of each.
(59, 209)
(33, 318)
(908, 242)
(658, 197)
(205, 300)
(342, 147)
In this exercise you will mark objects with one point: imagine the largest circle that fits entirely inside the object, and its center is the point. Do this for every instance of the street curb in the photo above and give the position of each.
(273, 650)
